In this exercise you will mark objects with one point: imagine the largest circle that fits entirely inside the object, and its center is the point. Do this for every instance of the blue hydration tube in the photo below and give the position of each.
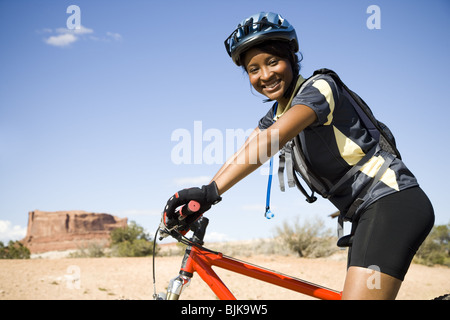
(269, 214)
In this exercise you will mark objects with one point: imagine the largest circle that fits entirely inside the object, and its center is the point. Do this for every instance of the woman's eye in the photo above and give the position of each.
(273, 62)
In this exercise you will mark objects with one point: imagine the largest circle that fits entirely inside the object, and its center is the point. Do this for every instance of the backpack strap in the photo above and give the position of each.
(352, 214)
(354, 169)
(290, 166)
(287, 161)
(388, 159)
(292, 158)
(302, 166)
(281, 166)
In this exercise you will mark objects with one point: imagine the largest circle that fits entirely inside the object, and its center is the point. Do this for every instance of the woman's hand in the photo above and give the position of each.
(206, 196)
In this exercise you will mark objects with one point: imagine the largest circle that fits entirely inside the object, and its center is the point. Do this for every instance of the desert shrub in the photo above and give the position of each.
(436, 247)
(248, 248)
(14, 250)
(307, 239)
(131, 241)
(91, 250)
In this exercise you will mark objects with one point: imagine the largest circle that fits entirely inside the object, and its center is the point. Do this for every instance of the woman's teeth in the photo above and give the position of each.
(272, 85)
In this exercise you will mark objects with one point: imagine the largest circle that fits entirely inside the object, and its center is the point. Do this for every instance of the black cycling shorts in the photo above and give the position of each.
(390, 231)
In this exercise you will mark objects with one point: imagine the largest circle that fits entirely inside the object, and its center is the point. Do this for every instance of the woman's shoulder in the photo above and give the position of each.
(320, 78)
(316, 87)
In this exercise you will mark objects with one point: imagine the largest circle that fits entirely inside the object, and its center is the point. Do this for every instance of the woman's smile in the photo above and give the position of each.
(272, 86)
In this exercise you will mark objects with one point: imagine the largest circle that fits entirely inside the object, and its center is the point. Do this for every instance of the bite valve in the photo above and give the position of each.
(269, 214)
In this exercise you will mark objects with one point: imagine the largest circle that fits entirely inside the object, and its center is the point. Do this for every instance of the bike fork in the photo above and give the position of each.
(176, 286)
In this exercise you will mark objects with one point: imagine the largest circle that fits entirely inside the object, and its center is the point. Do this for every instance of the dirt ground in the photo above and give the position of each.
(131, 278)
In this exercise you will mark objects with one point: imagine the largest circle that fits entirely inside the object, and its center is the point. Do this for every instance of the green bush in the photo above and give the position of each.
(131, 241)
(14, 250)
(436, 247)
(309, 239)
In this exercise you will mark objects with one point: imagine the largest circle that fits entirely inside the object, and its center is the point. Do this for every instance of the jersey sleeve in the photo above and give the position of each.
(267, 120)
(320, 95)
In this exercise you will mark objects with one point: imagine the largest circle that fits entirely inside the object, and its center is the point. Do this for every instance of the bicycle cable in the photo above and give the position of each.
(180, 238)
(155, 295)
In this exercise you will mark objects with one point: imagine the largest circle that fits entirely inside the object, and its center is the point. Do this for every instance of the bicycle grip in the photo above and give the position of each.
(186, 210)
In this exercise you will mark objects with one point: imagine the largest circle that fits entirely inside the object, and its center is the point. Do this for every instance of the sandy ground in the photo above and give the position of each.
(131, 278)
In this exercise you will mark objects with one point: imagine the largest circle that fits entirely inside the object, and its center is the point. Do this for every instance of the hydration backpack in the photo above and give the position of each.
(293, 160)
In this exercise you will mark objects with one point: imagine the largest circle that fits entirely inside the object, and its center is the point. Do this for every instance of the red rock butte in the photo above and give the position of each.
(66, 230)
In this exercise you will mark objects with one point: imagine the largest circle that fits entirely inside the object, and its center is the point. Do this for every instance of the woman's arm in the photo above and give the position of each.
(233, 157)
(261, 145)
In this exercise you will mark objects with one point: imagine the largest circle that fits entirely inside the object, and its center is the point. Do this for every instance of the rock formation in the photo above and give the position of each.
(65, 230)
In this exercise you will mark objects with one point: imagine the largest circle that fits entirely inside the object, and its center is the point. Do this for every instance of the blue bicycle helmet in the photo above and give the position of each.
(256, 29)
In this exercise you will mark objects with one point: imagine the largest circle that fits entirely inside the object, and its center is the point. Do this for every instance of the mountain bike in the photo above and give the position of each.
(200, 260)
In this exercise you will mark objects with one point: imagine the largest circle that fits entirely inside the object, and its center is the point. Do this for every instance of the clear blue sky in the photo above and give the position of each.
(86, 118)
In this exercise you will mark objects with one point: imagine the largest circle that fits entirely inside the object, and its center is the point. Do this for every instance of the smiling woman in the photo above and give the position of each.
(88, 125)
(320, 120)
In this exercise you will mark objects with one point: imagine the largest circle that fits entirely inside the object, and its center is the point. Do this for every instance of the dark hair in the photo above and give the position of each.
(284, 50)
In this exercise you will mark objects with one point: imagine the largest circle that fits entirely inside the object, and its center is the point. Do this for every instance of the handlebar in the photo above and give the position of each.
(190, 208)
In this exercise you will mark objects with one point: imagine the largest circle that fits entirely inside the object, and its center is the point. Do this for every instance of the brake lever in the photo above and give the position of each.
(164, 232)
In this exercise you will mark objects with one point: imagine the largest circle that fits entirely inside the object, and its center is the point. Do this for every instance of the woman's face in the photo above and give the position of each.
(269, 74)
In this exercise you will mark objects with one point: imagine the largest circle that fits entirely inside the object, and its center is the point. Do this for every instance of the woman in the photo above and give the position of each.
(395, 216)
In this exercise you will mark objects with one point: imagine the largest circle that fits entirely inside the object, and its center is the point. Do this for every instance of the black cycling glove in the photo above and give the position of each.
(206, 196)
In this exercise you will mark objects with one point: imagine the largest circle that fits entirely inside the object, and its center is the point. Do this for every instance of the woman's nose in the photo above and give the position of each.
(266, 74)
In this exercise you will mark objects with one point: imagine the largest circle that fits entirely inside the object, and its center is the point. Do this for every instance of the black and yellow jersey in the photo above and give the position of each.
(337, 141)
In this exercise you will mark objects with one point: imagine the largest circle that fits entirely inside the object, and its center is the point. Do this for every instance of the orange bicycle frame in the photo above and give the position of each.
(199, 260)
